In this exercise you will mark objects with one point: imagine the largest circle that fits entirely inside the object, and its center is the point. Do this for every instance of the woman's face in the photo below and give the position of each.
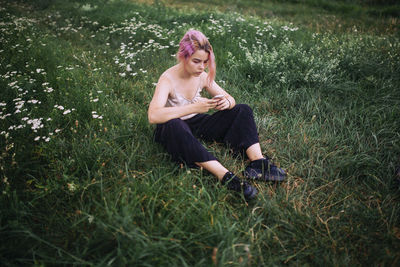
(196, 64)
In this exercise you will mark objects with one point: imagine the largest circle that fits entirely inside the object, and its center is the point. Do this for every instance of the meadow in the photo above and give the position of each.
(83, 183)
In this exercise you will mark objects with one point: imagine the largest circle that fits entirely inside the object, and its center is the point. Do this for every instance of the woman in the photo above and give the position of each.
(179, 112)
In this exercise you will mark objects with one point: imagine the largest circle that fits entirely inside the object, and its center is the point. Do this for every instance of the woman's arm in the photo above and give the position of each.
(227, 102)
(158, 113)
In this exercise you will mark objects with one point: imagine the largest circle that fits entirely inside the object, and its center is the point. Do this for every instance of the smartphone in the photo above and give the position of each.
(218, 96)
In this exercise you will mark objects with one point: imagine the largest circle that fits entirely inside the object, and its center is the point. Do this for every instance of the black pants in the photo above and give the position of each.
(235, 127)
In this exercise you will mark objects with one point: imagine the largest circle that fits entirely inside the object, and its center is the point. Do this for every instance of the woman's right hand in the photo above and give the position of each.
(203, 104)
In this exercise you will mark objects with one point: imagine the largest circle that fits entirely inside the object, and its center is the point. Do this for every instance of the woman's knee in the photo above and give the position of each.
(173, 123)
(176, 125)
(243, 108)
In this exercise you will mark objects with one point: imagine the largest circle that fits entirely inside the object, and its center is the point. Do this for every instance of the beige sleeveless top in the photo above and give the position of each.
(177, 100)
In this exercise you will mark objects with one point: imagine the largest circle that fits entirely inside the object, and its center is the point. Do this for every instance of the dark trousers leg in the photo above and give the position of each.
(176, 136)
(235, 127)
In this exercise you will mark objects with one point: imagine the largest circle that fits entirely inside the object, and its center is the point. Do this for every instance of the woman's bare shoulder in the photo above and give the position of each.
(167, 76)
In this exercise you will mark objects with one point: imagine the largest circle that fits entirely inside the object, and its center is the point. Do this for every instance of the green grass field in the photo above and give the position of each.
(83, 183)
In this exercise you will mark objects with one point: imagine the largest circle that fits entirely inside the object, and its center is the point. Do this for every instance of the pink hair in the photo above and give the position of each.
(191, 42)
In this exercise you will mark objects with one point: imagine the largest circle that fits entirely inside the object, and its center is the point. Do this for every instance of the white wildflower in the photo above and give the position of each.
(71, 187)
(34, 101)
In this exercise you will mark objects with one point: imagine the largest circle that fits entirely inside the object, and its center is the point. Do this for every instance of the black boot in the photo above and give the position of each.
(263, 169)
(232, 182)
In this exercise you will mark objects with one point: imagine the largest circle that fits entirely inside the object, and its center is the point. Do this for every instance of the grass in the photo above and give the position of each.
(374, 17)
(83, 183)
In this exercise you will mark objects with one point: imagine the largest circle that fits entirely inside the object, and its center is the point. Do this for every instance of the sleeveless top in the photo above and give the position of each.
(177, 100)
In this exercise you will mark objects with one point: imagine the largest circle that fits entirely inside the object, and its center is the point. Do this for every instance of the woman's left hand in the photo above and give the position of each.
(223, 104)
